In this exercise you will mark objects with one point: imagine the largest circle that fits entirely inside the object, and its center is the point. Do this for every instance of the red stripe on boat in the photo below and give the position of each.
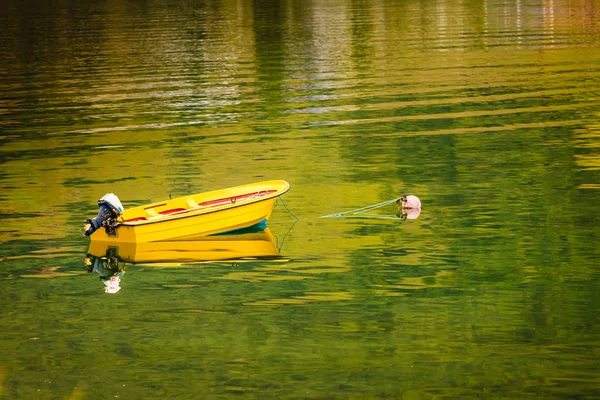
(233, 199)
(135, 219)
(174, 210)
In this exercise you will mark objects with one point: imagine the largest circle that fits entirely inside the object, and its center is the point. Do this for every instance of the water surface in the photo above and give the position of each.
(486, 110)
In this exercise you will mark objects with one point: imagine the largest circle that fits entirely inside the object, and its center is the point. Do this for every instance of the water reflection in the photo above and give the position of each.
(110, 270)
(108, 259)
(488, 110)
(250, 243)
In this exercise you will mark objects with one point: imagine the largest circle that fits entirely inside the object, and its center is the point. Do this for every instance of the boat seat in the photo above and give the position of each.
(192, 203)
(153, 214)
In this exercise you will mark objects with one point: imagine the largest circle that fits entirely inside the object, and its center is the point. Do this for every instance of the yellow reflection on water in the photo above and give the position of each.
(3, 373)
(304, 299)
(78, 392)
(240, 245)
(258, 276)
(415, 283)
(51, 272)
(588, 139)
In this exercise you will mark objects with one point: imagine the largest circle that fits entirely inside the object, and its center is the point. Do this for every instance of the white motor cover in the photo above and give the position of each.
(113, 200)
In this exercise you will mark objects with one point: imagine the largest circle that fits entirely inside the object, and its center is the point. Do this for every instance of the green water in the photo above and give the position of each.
(486, 110)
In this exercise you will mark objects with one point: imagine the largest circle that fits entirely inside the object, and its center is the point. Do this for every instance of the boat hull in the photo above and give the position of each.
(197, 215)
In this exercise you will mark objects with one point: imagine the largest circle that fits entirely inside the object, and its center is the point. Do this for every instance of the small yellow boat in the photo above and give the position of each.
(186, 217)
(248, 244)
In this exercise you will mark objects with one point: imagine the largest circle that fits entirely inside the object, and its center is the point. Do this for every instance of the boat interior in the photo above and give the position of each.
(185, 205)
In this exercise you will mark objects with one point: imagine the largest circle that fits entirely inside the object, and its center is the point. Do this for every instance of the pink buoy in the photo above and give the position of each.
(411, 207)
(411, 202)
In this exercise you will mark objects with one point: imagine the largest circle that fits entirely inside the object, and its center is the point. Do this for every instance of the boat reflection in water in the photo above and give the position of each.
(108, 259)
(110, 270)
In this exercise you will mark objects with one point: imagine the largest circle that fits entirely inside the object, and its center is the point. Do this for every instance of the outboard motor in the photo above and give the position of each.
(110, 209)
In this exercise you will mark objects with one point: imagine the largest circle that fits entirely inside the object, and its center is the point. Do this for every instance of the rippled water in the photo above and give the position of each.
(487, 110)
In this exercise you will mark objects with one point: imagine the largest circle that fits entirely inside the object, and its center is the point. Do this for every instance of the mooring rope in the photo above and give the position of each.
(286, 207)
(278, 244)
(353, 213)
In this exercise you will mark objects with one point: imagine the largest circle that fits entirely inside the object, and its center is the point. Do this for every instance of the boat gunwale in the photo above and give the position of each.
(195, 212)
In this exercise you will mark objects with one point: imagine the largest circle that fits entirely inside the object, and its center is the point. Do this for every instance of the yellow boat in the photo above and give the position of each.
(186, 217)
(248, 244)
